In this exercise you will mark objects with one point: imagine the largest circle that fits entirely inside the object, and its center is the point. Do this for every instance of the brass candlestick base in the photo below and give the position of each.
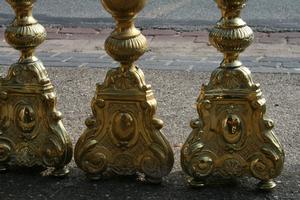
(123, 137)
(31, 133)
(232, 138)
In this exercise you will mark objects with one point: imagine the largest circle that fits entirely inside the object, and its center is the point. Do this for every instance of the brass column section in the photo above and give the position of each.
(31, 131)
(231, 138)
(122, 136)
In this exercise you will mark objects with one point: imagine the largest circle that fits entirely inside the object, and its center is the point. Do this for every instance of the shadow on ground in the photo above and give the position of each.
(33, 186)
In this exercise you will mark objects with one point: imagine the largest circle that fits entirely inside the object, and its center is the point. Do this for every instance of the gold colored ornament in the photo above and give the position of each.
(231, 138)
(31, 131)
(122, 136)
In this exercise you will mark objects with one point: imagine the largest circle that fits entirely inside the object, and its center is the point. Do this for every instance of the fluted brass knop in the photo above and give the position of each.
(31, 131)
(122, 135)
(231, 137)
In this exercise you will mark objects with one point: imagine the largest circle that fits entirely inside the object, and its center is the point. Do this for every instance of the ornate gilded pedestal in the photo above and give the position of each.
(232, 138)
(31, 133)
(122, 136)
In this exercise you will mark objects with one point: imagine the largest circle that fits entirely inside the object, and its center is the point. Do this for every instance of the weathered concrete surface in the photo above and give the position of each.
(176, 92)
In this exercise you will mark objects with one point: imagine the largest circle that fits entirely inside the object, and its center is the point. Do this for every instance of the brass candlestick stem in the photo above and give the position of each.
(232, 138)
(123, 137)
(31, 133)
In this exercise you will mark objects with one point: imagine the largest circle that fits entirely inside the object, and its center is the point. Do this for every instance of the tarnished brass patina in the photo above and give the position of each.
(122, 136)
(31, 131)
(231, 137)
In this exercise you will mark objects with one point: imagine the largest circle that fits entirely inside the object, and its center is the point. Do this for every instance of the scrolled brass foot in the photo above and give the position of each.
(153, 180)
(267, 185)
(94, 177)
(60, 172)
(3, 169)
(195, 183)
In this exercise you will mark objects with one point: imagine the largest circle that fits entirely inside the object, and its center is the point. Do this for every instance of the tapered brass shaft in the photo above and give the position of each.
(231, 137)
(123, 137)
(31, 131)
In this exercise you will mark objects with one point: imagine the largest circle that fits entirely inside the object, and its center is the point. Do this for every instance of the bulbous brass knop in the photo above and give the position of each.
(122, 136)
(31, 131)
(231, 137)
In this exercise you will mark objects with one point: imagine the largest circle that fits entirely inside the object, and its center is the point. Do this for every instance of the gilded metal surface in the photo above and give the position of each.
(31, 131)
(122, 136)
(231, 137)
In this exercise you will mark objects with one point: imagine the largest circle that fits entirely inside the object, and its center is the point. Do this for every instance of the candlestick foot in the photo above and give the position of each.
(195, 183)
(94, 177)
(267, 185)
(3, 169)
(153, 180)
(61, 172)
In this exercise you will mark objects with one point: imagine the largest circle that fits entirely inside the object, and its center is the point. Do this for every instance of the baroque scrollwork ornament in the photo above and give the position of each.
(31, 131)
(122, 136)
(232, 138)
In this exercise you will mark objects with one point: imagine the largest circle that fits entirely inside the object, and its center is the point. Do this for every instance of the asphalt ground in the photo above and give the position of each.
(167, 9)
(176, 93)
(265, 15)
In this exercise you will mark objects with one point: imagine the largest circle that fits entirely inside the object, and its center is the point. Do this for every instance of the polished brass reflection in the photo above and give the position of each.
(231, 138)
(122, 136)
(31, 131)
